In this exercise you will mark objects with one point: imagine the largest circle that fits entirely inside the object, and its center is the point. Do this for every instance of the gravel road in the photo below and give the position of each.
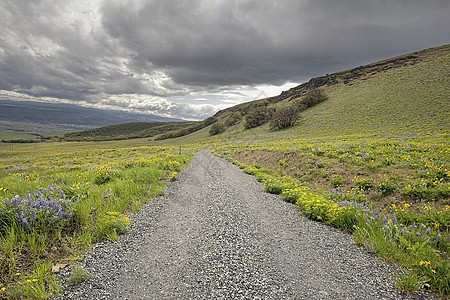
(217, 234)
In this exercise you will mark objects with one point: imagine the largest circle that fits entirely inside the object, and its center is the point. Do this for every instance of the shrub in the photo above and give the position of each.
(232, 119)
(312, 98)
(256, 117)
(217, 128)
(285, 117)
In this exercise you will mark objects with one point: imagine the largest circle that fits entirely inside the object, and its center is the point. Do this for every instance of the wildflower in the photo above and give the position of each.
(421, 263)
(17, 274)
(434, 271)
(428, 231)
(3, 289)
(24, 221)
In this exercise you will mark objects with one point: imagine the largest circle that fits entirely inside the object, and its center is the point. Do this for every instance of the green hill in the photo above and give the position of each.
(126, 131)
(407, 95)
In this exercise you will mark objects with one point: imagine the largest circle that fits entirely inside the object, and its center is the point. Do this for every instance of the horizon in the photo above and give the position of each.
(189, 61)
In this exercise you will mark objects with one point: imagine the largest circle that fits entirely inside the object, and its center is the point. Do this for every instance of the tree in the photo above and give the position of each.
(232, 119)
(313, 97)
(216, 128)
(285, 117)
(257, 116)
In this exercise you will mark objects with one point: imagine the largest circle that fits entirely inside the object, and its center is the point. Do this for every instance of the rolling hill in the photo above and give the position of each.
(407, 95)
(125, 131)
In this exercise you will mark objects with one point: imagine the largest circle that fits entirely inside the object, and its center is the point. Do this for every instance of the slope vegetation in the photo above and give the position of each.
(125, 131)
(406, 95)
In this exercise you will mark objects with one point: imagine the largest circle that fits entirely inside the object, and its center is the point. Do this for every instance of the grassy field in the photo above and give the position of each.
(372, 160)
(393, 195)
(60, 198)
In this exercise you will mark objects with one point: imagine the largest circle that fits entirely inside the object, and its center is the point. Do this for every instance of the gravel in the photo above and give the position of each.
(217, 234)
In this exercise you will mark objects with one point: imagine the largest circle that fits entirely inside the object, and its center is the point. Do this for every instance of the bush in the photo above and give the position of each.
(285, 117)
(217, 128)
(232, 120)
(256, 117)
(312, 98)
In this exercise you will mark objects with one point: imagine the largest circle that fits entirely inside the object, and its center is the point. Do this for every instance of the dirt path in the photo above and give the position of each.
(217, 234)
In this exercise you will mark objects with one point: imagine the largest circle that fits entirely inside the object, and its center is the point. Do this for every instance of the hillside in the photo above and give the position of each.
(406, 95)
(125, 131)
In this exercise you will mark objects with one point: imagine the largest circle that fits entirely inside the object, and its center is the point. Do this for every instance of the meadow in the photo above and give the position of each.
(372, 160)
(60, 199)
(392, 195)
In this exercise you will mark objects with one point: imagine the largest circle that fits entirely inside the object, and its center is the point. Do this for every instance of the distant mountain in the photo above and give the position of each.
(68, 115)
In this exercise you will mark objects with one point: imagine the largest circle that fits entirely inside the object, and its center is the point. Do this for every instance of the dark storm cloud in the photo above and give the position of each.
(249, 42)
(100, 51)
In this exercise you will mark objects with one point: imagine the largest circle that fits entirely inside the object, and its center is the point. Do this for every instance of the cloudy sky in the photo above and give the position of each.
(190, 58)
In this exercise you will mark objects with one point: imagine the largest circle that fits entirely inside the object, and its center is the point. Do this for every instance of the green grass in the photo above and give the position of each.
(101, 184)
(415, 236)
(379, 142)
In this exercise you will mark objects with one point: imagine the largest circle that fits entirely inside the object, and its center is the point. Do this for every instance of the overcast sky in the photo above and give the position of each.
(190, 58)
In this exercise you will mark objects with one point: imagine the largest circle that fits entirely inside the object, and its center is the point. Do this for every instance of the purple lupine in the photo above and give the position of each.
(16, 200)
(384, 220)
(6, 201)
(29, 198)
(428, 231)
(24, 221)
(422, 226)
(377, 214)
(394, 219)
